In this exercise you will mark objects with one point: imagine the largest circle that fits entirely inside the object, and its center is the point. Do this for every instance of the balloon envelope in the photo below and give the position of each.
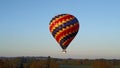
(64, 28)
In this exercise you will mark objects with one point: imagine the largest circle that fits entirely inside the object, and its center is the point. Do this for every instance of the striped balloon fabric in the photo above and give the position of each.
(64, 28)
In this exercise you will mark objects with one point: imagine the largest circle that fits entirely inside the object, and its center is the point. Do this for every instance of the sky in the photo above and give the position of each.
(24, 28)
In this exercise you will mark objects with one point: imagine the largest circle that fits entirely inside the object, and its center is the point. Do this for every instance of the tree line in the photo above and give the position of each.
(23, 62)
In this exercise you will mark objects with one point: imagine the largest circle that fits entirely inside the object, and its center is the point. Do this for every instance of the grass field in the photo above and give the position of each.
(118, 66)
(75, 66)
(81, 66)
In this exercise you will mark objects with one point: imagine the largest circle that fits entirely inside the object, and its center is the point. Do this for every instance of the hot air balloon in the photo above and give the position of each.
(64, 28)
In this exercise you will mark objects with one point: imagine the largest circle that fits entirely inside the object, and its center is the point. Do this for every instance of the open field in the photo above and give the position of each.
(82, 66)
(75, 66)
(117, 66)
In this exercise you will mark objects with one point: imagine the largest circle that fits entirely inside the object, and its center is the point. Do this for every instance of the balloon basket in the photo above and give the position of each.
(64, 51)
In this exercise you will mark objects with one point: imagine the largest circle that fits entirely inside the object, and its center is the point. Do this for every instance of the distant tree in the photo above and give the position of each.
(78, 62)
(1, 63)
(26, 65)
(49, 63)
(36, 64)
(54, 64)
(102, 64)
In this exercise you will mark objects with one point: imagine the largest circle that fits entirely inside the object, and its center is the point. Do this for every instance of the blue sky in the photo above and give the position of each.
(24, 28)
